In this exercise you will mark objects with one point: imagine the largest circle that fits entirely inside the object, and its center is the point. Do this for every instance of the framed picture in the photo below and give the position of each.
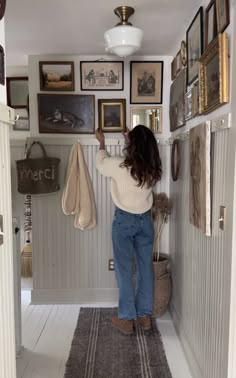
(210, 23)
(183, 53)
(21, 124)
(112, 115)
(150, 116)
(194, 38)
(189, 104)
(195, 98)
(178, 62)
(102, 76)
(2, 66)
(213, 75)
(177, 101)
(17, 92)
(146, 82)
(56, 76)
(66, 113)
(222, 15)
(173, 69)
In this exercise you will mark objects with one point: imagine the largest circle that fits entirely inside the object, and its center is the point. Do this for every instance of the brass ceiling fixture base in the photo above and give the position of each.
(124, 13)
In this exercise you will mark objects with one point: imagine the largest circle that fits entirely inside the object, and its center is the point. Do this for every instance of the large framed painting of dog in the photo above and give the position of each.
(66, 113)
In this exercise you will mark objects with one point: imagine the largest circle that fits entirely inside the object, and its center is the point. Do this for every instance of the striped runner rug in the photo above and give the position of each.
(100, 351)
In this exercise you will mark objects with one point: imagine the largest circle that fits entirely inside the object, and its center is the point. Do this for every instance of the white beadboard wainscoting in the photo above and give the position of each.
(70, 265)
(201, 269)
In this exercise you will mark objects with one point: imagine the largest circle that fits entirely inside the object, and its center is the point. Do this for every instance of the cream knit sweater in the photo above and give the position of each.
(124, 190)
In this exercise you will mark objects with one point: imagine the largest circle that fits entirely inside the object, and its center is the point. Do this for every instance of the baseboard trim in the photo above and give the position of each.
(80, 296)
(190, 357)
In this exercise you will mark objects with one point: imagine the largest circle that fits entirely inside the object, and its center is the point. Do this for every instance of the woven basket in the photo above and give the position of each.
(162, 294)
(38, 176)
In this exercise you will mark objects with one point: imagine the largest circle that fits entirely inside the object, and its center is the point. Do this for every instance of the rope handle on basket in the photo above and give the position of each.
(42, 147)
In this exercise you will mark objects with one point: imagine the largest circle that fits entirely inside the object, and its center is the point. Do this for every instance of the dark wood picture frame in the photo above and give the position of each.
(17, 92)
(194, 46)
(175, 160)
(222, 15)
(210, 16)
(112, 115)
(56, 76)
(2, 66)
(146, 82)
(66, 113)
(102, 75)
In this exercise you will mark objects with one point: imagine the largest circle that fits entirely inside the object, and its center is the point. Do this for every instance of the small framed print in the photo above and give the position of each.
(112, 115)
(189, 104)
(178, 62)
(222, 15)
(210, 23)
(22, 124)
(194, 38)
(56, 76)
(146, 82)
(17, 92)
(102, 76)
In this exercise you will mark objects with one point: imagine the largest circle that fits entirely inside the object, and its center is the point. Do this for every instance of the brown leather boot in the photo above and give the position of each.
(123, 325)
(144, 322)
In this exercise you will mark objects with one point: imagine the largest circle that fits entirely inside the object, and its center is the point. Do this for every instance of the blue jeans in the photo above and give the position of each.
(133, 235)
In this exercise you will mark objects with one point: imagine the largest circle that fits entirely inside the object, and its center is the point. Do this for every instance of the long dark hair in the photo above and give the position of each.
(142, 157)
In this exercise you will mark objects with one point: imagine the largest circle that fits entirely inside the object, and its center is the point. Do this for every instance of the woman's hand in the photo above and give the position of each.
(126, 135)
(100, 137)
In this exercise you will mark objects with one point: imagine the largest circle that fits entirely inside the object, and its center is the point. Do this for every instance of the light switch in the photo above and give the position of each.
(222, 218)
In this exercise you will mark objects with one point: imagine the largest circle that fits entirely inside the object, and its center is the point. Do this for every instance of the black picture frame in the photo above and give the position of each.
(56, 76)
(102, 75)
(66, 113)
(2, 66)
(17, 92)
(146, 82)
(194, 41)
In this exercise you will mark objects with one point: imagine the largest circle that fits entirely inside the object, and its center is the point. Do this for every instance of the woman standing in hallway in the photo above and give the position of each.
(132, 180)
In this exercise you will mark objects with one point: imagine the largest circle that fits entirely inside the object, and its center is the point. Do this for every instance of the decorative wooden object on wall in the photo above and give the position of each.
(175, 160)
(214, 75)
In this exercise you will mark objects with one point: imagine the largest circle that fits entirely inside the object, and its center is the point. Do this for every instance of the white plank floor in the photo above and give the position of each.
(47, 332)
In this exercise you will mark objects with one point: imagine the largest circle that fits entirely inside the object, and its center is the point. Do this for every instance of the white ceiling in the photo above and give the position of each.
(77, 26)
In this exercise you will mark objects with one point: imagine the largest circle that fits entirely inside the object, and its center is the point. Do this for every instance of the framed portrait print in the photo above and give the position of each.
(146, 82)
(177, 101)
(66, 113)
(150, 116)
(210, 23)
(222, 15)
(102, 76)
(194, 38)
(2, 66)
(56, 76)
(112, 115)
(17, 92)
(214, 75)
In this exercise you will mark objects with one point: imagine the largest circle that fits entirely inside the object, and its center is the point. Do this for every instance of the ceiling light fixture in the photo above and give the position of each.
(124, 39)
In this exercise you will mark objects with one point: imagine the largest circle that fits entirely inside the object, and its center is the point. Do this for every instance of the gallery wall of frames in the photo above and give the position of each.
(200, 68)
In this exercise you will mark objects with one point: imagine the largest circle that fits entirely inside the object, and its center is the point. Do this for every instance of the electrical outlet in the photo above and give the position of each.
(111, 265)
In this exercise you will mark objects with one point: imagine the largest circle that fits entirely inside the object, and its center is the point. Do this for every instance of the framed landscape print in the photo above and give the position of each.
(210, 23)
(146, 82)
(214, 75)
(177, 101)
(56, 76)
(112, 115)
(66, 113)
(17, 92)
(222, 15)
(194, 38)
(102, 76)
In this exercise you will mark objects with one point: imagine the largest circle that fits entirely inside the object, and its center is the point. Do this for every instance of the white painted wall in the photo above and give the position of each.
(201, 265)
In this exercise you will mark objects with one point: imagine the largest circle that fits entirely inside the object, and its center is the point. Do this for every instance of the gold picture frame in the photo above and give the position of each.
(213, 75)
(149, 116)
(112, 115)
